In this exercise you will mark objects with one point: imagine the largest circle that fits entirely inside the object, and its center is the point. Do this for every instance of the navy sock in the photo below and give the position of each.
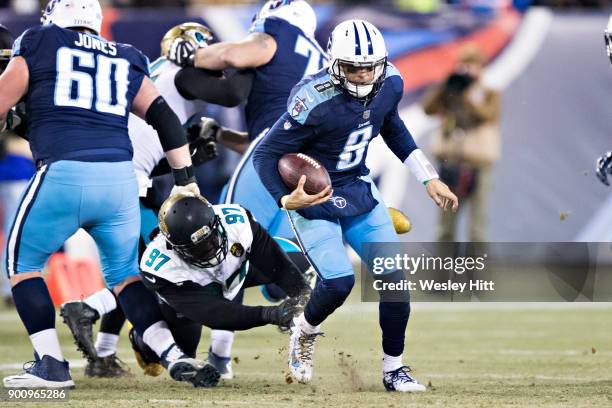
(112, 322)
(327, 296)
(393, 314)
(140, 306)
(34, 305)
(393, 319)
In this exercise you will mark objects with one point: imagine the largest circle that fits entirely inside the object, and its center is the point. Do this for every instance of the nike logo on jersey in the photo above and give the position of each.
(309, 98)
(150, 279)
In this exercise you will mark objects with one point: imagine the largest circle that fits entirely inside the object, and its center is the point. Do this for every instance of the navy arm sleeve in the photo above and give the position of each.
(286, 136)
(213, 86)
(394, 131)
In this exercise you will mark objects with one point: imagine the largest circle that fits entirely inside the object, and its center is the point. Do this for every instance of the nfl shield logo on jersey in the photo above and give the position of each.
(298, 107)
(366, 114)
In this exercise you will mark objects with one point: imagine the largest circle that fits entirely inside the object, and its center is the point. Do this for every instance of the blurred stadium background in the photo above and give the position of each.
(553, 113)
(547, 59)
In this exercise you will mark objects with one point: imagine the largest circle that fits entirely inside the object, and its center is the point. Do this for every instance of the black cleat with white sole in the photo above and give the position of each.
(198, 373)
(80, 317)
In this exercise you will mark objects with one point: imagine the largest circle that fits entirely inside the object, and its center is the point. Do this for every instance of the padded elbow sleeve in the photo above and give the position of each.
(168, 126)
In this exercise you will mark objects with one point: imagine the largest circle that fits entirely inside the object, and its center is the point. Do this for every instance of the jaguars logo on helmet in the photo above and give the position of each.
(195, 232)
(197, 34)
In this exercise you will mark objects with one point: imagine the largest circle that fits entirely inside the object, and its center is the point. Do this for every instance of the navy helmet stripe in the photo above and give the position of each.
(357, 40)
(370, 47)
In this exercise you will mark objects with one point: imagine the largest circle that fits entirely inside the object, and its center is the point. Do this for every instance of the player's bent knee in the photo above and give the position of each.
(20, 277)
(340, 287)
(117, 288)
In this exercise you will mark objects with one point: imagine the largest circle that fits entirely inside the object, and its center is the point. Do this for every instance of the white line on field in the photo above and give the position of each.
(358, 308)
(424, 375)
(511, 352)
(73, 364)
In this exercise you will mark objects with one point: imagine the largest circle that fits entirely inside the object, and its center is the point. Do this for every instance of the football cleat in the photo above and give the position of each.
(107, 367)
(301, 353)
(80, 317)
(401, 380)
(222, 364)
(145, 357)
(41, 373)
(198, 373)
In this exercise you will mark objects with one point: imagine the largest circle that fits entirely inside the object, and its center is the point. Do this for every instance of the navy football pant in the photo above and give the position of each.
(323, 243)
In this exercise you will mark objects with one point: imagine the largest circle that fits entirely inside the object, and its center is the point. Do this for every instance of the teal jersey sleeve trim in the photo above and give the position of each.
(392, 71)
(258, 26)
(310, 95)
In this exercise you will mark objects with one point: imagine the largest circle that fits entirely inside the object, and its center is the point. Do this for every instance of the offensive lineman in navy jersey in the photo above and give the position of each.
(281, 50)
(332, 116)
(79, 89)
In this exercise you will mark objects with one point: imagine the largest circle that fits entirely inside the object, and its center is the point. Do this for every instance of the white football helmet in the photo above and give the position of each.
(74, 13)
(296, 12)
(354, 45)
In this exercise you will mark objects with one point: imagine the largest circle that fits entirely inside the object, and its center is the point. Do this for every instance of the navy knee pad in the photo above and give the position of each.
(328, 295)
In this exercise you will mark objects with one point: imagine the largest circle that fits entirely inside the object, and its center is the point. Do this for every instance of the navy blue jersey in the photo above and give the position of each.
(296, 57)
(80, 93)
(327, 124)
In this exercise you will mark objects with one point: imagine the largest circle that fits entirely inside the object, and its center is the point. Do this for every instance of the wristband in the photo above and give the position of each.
(420, 167)
(183, 176)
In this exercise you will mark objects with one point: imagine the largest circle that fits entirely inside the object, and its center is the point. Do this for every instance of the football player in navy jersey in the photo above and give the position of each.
(332, 116)
(281, 50)
(79, 89)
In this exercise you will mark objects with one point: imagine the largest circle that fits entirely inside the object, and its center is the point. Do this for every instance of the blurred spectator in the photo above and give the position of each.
(468, 142)
(16, 168)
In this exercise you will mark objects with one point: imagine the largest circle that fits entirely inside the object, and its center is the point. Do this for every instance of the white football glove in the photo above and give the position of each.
(182, 53)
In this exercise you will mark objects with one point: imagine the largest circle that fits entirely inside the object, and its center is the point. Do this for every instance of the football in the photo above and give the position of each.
(293, 165)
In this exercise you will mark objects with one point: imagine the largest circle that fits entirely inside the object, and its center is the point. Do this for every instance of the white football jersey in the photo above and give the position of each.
(147, 147)
(160, 261)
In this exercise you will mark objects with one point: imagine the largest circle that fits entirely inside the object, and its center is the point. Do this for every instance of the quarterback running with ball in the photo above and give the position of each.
(332, 116)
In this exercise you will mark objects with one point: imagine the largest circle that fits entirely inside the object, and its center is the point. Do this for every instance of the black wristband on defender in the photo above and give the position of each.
(183, 176)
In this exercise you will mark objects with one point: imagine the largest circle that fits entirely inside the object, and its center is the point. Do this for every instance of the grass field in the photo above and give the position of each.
(469, 355)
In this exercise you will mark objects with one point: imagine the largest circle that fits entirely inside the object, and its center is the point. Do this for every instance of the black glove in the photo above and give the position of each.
(282, 315)
(182, 53)
(203, 140)
(603, 168)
